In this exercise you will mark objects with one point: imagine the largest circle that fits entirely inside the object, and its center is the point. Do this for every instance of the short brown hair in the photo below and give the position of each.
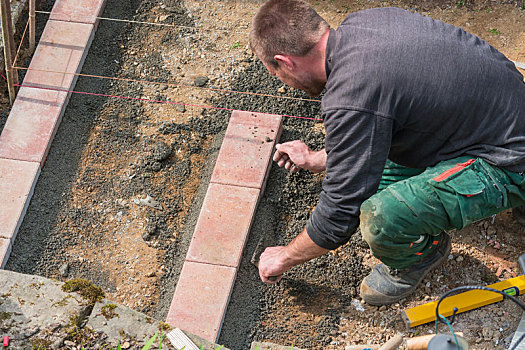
(288, 27)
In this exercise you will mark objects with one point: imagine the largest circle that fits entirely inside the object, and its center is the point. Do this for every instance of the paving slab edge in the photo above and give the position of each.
(5, 256)
(266, 165)
(13, 235)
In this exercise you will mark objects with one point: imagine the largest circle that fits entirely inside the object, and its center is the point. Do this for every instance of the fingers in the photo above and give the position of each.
(270, 270)
(271, 279)
(283, 160)
(277, 155)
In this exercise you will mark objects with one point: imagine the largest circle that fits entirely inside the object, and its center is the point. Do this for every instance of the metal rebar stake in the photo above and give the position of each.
(32, 25)
(5, 14)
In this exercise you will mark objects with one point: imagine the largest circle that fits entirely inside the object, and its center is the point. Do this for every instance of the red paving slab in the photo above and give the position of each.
(246, 150)
(36, 113)
(223, 225)
(5, 250)
(17, 181)
(80, 11)
(200, 300)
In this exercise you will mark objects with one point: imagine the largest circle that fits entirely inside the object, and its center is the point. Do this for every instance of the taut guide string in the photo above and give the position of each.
(150, 82)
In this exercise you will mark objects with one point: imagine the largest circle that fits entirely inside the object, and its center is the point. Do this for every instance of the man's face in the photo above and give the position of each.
(298, 79)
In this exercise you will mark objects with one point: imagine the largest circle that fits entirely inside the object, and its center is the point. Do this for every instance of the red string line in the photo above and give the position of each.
(145, 99)
(185, 86)
(154, 82)
(60, 16)
(154, 101)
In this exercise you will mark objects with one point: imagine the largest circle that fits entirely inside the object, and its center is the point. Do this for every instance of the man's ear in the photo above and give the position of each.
(285, 60)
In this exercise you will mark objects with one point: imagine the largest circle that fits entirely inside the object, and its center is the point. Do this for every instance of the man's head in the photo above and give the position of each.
(283, 33)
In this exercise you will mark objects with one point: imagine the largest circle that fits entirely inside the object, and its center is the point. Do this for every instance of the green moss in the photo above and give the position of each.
(62, 302)
(40, 344)
(34, 285)
(4, 316)
(164, 327)
(76, 333)
(108, 311)
(85, 288)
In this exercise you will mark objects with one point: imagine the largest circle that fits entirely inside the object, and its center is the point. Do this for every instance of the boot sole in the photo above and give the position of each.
(376, 298)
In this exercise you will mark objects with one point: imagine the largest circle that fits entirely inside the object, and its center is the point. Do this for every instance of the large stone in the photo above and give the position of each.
(118, 322)
(33, 305)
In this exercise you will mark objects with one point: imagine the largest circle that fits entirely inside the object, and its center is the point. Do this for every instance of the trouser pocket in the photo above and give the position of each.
(471, 191)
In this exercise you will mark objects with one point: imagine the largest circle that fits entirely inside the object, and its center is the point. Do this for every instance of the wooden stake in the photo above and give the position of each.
(12, 40)
(7, 35)
(32, 20)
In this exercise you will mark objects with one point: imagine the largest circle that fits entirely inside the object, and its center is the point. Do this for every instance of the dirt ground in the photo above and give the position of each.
(118, 198)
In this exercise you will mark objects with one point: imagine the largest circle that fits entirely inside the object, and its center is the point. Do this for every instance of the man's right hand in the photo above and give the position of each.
(295, 155)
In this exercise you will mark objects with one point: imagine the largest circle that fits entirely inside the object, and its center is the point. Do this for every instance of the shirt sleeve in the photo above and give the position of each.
(357, 146)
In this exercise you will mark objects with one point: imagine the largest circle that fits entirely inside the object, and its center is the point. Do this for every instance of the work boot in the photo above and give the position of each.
(386, 285)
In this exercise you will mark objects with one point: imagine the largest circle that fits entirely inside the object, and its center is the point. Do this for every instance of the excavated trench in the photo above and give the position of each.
(109, 154)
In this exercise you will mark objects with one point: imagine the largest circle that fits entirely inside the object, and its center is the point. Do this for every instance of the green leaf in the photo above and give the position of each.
(162, 336)
(149, 343)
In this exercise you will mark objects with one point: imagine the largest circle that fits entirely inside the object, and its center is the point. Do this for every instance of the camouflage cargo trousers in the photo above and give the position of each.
(413, 206)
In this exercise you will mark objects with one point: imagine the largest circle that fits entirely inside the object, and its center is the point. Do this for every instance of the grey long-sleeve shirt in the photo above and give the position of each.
(414, 90)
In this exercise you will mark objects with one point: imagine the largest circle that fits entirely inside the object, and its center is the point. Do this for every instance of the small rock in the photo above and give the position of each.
(450, 257)
(281, 90)
(161, 151)
(69, 343)
(267, 139)
(57, 344)
(487, 333)
(149, 202)
(149, 230)
(173, 9)
(180, 108)
(156, 166)
(459, 258)
(64, 269)
(200, 81)
(150, 274)
(358, 306)
(125, 345)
